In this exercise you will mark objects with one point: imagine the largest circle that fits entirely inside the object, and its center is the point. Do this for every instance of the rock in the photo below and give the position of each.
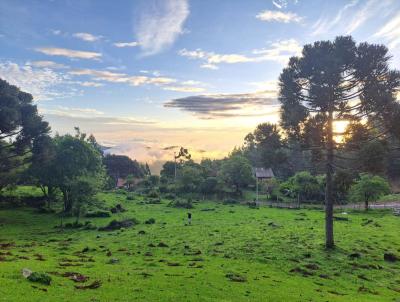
(390, 257)
(116, 225)
(141, 232)
(113, 261)
(162, 244)
(235, 277)
(95, 284)
(354, 255)
(26, 272)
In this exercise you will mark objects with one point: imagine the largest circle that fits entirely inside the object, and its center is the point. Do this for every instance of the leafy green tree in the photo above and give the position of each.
(168, 170)
(42, 168)
(368, 189)
(236, 171)
(120, 166)
(75, 159)
(189, 179)
(130, 181)
(337, 80)
(20, 127)
(209, 186)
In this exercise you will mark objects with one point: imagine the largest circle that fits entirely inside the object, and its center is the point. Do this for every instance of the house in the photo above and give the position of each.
(121, 183)
(260, 174)
(263, 173)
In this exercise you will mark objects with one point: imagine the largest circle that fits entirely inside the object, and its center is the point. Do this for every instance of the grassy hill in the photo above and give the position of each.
(229, 253)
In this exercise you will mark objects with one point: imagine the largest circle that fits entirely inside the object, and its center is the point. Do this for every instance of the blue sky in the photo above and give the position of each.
(144, 75)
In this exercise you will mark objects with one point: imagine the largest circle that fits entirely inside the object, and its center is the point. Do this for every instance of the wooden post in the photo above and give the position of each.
(256, 188)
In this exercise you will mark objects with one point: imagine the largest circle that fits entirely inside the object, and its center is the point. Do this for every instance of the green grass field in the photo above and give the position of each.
(271, 255)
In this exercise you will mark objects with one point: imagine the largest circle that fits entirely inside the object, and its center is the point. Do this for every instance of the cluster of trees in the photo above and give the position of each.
(208, 178)
(72, 167)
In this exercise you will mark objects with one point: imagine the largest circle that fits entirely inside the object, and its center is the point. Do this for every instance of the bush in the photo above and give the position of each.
(369, 188)
(117, 209)
(40, 278)
(153, 201)
(150, 221)
(170, 196)
(116, 225)
(98, 213)
(230, 201)
(186, 204)
(153, 194)
(130, 197)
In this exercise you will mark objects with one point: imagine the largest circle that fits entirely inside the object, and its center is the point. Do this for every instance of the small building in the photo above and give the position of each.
(262, 174)
(121, 183)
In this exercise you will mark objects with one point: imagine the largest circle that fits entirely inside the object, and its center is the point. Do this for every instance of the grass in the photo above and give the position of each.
(229, 253)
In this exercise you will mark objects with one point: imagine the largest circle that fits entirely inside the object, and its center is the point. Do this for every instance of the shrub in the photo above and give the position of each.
(130, 197)
(40, 278)
(153, 201)
(116, 225)
(186, 204)
(369, 188)
(98, 213)
(170, 196)
(150, 221)
(230, 201)
(153, 194)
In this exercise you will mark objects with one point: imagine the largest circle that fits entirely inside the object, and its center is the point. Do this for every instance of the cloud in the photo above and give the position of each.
(278, 16)
(138, 80)
(41, 83)
(126, 44)
(391, 32)
(69, 53)
(91, 116)
(47, 64)
(226, 105)
(87, 37)
(279, 51)
(72, 112)
(91, 84)
(352, 16)
(184, 88)
(161, 24)
(209, 66)
(324, 25)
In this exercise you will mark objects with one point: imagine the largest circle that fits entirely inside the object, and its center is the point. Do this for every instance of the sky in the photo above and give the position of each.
(148, 76)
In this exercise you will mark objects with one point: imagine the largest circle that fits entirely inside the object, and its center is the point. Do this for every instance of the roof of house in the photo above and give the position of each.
(263, 172)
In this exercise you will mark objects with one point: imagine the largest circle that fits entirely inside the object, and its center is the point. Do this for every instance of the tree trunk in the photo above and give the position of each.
(329, 242)
(366, 204)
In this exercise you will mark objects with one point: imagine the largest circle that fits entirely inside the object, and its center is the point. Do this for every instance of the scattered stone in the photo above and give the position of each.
(354, 255)
(95, 284)
(302, 271)
(150, 221)
(76, 277)
(141, 232)
(236, 277)
(390, 257)
(162, 244)
(312, 266)
(173, 264)
(113, 261)
(116, 225)
(117, 209)
(99, 213)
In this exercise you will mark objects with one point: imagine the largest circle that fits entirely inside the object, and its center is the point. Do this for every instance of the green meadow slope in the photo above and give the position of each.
(230, 253)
